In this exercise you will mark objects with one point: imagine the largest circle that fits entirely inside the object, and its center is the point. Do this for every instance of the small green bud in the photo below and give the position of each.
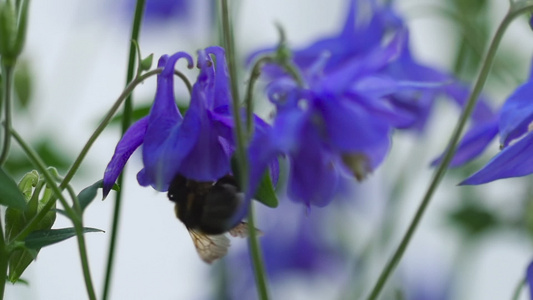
(23, 83)
(8, 27)
(16, 221)
(359, 164)
(27, 183)
(146, 63)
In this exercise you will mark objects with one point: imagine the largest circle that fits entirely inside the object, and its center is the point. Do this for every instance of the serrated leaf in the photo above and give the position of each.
(10, 195)
(265, 192)
(43, 238)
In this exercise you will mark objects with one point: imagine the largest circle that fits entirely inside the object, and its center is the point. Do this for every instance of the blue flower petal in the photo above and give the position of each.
(516, 114)
(132, 139)
(314, 172)
(222, 84)
(163, 128)
(473, 143)
(514, 161)
(349, 127)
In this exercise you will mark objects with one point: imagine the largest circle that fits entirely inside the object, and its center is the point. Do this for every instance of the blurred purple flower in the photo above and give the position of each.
(198, 146)
(529, 279)
(160, 10)
(294, 245)
(514, 123)
(340, 124)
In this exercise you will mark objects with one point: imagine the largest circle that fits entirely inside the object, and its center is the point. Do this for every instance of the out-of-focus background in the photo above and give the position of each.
(472, 244)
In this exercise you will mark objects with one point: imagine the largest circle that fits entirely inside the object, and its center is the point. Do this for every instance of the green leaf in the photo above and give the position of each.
(146, 63)
(266, 193)
(10, 195)
(43, 238)
(22, 281)
(473, 220)
(23, 83)
(87, 195)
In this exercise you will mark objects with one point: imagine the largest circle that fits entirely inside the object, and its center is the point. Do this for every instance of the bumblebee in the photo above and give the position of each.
(206, 209)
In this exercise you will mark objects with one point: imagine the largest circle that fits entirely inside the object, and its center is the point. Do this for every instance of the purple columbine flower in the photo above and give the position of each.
(198, 145)
(516, 139)
(337, 127)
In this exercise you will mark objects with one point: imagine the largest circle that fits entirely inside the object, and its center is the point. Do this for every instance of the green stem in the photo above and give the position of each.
(4, 258)
(104, 124)
(240, 152)
(248, 101)
(257, 257)
(126, 122)
(439, 173)
(518, 289)
(7, 72)
(78, 226)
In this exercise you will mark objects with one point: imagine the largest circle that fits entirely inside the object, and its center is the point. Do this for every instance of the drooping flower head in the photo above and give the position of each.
(198, 145)
(339, 124)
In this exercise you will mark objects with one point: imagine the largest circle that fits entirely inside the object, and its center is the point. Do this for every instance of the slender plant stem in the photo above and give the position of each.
(78, 226)
(126, 122)
(257, 256)
(76, 219)
(240, 152)
(439, 173)
(4, 258)
(518, 289)
(74, 168)
(248, 100)
(7, 73)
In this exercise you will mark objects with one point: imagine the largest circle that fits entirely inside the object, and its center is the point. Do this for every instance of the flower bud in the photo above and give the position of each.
(16, 221)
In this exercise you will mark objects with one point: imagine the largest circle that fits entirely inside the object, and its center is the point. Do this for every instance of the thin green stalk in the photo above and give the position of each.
(4, 258)
(78, 226)
(7, 80)
(126, 122)
(516, 9)
(74, 168)
(248, 101)
(73, 216)
(257, 256)
(240, 152)
(518, 289)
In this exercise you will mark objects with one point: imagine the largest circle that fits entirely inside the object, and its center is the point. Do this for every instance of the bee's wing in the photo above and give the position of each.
(241, 230)
(210, 247)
